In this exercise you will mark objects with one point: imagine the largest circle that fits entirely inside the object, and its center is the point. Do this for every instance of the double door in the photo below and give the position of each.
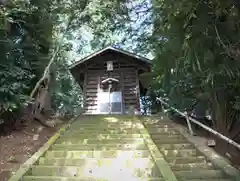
(110, 102)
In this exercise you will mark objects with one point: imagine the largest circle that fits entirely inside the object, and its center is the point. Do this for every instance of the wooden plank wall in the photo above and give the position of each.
(129, 88)
(128, 84)
(91, 91)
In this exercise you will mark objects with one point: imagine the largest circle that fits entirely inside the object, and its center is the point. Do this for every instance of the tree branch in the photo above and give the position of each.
(47, 69)
(220, 40)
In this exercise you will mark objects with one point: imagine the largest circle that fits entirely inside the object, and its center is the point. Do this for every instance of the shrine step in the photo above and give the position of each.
(100, 141)
(92, 171)
(81, 147)
(98, 154)
(140, 162)
(57, 178)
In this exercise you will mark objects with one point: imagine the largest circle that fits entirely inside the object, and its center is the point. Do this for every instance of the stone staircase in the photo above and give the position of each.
(97, 149)
(185, 160)
(105, 148)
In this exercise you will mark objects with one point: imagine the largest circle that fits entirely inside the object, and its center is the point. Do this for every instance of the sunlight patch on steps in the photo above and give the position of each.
(111, 119)
(130, 169)
(86, 141)
(123, 154)
(152, 120)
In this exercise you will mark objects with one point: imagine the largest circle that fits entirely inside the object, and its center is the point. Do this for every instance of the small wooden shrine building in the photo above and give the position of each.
(110, 81)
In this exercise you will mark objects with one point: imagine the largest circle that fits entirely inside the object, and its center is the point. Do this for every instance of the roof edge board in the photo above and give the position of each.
(111, 48)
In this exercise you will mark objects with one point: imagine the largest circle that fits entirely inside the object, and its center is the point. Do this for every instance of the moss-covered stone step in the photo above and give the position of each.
(80, 147)
(98, 154)
(166, 136)
(102, 131)
(172, 132)
(117, 123)
(100, 128)
(112, 126)
(180, 153)
(117, 136)
(177, 146)
(93, 171)
(190, 166)
(130, 162)
(99, 121)
(159, 125)
(100, 136)
(170, 141)
(185, 160)
(55, 178)
(104, 123)
(100, 141)
(162, 130)
(200, 174)
(104, 119)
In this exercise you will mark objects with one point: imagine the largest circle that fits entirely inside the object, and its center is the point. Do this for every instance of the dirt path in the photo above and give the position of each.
(18, 146)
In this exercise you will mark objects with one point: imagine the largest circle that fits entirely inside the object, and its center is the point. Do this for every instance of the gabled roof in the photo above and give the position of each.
(148, 61)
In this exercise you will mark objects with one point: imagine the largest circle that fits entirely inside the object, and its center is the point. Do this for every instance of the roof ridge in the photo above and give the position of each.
(131, 54)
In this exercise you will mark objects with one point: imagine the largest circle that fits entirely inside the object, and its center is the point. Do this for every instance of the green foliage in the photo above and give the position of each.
(197, 55)
(195, 45)
(15, 69)
(29, 32)
(66, 93)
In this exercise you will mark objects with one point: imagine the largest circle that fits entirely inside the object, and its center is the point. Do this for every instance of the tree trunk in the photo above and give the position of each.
(221, 107)
(41, 102)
